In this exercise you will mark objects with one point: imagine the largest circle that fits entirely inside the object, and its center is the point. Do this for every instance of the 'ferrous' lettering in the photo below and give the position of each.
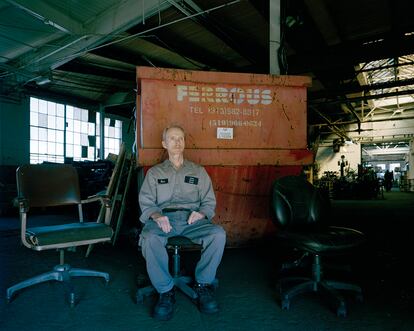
(235, 95)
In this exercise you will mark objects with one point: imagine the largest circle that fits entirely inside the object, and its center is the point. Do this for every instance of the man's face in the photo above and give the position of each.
(174, 141)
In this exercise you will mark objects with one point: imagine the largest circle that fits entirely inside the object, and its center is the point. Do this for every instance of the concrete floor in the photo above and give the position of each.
(247, 276)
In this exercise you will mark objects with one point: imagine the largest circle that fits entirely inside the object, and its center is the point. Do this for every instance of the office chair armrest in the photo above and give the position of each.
(103, 198)
(22, 204)
(106, 202)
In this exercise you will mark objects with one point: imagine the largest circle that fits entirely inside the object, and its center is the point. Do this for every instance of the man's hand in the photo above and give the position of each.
(195, 216)
(163, 223)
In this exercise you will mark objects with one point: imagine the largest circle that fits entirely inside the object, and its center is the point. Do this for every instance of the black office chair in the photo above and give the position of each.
(176, 244)
(51, 185)
(302, 215)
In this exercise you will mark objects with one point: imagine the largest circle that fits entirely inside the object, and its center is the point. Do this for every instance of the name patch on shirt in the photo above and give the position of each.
(163, 181)
(191, 180)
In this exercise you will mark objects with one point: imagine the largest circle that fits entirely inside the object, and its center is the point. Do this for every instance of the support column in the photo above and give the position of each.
(102, 131)
(274, 36)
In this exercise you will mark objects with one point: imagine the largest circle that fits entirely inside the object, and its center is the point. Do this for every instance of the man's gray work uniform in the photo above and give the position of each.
(175, 193)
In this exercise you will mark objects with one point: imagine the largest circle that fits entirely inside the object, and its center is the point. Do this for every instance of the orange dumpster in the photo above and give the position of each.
(246, 129)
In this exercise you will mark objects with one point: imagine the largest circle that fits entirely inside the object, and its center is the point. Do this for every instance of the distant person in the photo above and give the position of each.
(388, 179)
(177, 198)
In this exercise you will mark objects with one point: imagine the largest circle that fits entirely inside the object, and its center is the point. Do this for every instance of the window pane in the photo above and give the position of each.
(84, 115)
(77, 151)
(34, 118)
(60, 123)
(91, 129)
(51, 122)
(34, 146)
(59, 149)
(34, 133)
(51, 148)
(91, 152)
(76, 126)
(34, 104)
(84, 140)
(51, 136)
(70, 126)
(111, 144)
(111, 132)
(59, 136)
(76, 138)
(84, 127)
(76, 113)
(69, 150)
(42, 147)
(60, 110)
(51, 108)
(69, 112)
(43, 106)
(69, 137)
(43, 120)
(42, 134)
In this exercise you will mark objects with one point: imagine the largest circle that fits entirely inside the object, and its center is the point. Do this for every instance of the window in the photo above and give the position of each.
(388, 70)
(46, 131)
(60, 131)
(112, 135)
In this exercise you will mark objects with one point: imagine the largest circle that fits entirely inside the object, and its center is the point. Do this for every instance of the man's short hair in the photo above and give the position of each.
(173, 126)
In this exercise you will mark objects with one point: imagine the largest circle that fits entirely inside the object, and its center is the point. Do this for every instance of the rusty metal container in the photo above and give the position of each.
(246, 129)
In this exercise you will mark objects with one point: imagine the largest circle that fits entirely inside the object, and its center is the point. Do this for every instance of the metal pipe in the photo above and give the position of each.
(274, 36)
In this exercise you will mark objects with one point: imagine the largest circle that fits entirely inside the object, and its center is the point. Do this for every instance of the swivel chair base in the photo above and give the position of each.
(61, 273)
(181, 282)
(317, 284)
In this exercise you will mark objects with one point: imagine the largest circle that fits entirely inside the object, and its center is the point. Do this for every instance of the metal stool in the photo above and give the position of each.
(175, 244)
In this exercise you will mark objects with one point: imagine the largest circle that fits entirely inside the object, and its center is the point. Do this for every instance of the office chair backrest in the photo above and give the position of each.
(45, 185)
(297, 203)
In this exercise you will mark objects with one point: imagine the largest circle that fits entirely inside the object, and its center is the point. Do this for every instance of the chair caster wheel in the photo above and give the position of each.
(279, 289)
(341, 311)
(72, 300)
(139, 298)
(285, 304)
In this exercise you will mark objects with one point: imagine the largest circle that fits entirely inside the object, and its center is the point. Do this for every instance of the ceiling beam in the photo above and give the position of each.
(323, 20)
(244, 48)
(342, 99)
(83, 67)
(333, 58)
(354, 87)
(165, 38)
(115, 52)
(100, 30)
(49, 15)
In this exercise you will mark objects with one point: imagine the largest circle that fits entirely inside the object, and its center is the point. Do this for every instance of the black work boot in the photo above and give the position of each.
(164, 308)
(206, 301)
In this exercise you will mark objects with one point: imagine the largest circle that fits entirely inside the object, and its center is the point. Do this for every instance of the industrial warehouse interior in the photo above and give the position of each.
(264, 89)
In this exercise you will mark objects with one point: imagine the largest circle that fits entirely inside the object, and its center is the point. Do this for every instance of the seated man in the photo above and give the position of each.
(177, 198)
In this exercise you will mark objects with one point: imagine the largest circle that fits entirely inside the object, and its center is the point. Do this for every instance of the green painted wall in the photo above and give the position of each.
(14, 132)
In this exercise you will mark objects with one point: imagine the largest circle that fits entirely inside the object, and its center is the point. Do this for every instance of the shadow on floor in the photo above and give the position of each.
(246, 294)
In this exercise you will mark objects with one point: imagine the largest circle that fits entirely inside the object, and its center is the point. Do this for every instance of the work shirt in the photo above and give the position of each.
(189, 187)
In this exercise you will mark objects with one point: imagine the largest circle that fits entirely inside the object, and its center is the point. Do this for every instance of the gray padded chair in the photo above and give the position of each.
(51, 185)
(302, 215)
